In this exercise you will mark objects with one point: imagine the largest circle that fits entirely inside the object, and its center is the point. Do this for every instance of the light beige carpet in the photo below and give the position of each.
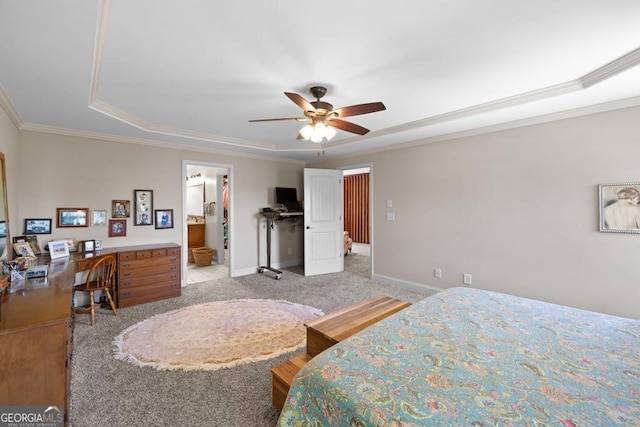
(216, 335)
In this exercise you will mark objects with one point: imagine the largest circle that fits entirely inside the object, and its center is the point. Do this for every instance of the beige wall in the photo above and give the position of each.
(63, 171)
(517, 209)
(9, 147)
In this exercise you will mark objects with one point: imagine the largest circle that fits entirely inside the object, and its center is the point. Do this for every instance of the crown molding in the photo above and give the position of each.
(8, 107)
(30, 127)
(545, 118)
(617, 66)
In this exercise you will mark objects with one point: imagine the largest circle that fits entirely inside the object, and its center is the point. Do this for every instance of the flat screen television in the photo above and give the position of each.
(286, 195)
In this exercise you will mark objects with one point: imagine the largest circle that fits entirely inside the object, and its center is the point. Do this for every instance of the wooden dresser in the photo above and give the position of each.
(148, 273)
(36, 332)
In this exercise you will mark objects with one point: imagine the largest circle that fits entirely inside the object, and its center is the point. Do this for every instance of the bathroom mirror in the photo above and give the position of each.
(5, 247)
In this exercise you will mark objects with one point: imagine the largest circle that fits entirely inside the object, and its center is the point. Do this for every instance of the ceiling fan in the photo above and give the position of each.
(324, 118)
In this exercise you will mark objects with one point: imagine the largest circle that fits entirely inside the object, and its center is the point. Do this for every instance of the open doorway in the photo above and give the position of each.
(358, 205)
(207, 217)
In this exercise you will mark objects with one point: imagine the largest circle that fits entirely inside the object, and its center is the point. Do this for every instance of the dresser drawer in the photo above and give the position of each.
(131, 282)
(131, 264)
(148, 293)
(148, 271)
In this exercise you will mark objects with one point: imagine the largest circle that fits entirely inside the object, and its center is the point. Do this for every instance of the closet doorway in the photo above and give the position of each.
(207, 220)
(358, 207)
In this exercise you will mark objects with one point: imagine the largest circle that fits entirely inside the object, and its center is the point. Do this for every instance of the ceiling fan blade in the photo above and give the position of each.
(300, 101)
(356, 110)
(348, 126)
(299, 119)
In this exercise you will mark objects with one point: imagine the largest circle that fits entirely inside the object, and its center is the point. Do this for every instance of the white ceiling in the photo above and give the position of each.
(193, 72)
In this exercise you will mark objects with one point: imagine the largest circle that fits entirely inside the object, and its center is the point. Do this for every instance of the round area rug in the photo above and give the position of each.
(216, 335)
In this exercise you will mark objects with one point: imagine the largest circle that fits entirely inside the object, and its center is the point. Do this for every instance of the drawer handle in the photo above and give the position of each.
(126, 273)
(126, 265)
(174, 268)
(174, 259)
(126, 294)
(126, 283)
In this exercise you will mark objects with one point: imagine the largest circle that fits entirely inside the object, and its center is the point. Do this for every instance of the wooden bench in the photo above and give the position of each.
(329, 330)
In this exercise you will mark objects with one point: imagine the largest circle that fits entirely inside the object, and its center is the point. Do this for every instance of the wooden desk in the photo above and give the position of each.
(36, 331)
(145, 272)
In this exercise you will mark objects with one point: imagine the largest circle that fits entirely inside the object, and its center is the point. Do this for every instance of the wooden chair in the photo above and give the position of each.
(100, 278)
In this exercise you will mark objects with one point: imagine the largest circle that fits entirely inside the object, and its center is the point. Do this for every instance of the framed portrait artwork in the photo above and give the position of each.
(619, 207)
(164, 218)
(99, 217)
(117, 227)
(143, 207)
(72, 217)
(58, 249)
(120, 208)
(37, 226)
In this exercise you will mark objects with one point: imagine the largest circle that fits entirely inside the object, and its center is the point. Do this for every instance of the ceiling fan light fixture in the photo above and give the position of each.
(330, 133)
(306, 132)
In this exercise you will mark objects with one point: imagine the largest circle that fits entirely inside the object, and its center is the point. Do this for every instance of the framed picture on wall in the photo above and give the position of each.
(619, 207)
(99, 217)
(117, 227)
(143, 207)
(120, 208)
(72, 217)
(37, 226)
(164, 218)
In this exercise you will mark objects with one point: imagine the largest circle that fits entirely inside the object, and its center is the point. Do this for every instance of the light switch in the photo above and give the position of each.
(389, 203)
(391, 216)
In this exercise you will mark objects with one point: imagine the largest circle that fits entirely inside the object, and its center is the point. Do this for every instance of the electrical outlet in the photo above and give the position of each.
(437, 273)
(466, 279)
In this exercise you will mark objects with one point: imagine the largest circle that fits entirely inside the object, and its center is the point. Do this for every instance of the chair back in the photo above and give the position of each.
(102, 272)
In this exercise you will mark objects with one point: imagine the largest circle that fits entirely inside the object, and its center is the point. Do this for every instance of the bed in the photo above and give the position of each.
(467, 357)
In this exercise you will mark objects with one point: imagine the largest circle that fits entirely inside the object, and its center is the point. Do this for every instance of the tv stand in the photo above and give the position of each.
(271, 217)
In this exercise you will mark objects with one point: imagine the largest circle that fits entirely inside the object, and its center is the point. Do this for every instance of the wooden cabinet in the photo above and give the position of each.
(195, 235)
(36, 333)
(148, 273)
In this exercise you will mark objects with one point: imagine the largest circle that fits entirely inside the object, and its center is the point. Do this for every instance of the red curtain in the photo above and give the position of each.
(356, 207)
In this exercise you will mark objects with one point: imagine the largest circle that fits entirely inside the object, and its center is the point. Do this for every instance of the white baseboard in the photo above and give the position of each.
(405, 284)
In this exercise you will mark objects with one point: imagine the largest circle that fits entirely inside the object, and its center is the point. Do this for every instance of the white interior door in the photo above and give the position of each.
(323, 223)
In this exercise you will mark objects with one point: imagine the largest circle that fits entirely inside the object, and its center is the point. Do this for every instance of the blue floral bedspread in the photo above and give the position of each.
(467, 357)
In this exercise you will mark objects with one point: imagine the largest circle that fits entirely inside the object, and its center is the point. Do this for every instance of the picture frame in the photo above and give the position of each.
(72, 243)
(163, 218)
(58, 249)
(619, 207)
(72, 217)
(120, 208)
(37, 226)
(86, 246)
(31, 240)
(143, 207)
(99, 218)
(98, 245)
(117, 228)
(23, 249)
